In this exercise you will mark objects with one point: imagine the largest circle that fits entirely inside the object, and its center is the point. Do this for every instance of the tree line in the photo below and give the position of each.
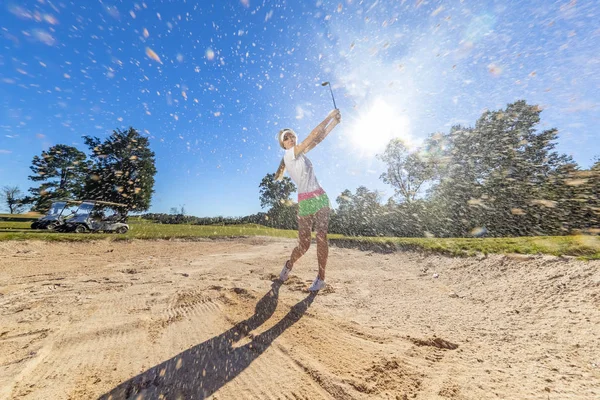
(501, 177)
(119, 169)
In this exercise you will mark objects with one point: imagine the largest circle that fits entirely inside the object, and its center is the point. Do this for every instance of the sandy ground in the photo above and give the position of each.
(209, 319)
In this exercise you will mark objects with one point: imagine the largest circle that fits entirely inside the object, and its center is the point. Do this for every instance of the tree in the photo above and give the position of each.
(458, 182)
(405, 219)
(123, 169)
(593, 202)
(568, 198)
(576, 196)
(62, 171)
(406, 171)
(177, 211)
(358, 214)
(497, 174)
(274, 193)
(13, 199)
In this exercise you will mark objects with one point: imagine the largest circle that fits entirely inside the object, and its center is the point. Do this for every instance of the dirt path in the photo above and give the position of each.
(208, 319)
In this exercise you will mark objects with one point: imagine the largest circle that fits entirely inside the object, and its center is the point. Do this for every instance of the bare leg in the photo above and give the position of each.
(322, 226)
(304, 230)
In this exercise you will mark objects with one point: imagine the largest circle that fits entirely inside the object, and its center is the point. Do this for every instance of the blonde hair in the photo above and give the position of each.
(282, 133)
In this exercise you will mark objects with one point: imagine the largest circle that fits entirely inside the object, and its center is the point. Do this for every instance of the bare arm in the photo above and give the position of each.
(280, 171)
(315, 137)
(319, 133)
(322, 135)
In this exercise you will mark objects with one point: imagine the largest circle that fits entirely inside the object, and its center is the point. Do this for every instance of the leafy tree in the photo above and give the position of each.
(62, 171)
(568, 198)
(358, 214)
(497, 174)
(12, 197)
(123, 169)
(406, 171)
(576, 194)
(283, 216)
(273, 192)
(276, 195)
(593, 202)
(342, 220)
(405, 219)
(521, 161)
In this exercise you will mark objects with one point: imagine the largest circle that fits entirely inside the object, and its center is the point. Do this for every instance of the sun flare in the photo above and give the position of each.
(374, 128)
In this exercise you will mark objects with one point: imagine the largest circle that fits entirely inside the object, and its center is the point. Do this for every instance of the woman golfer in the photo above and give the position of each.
(313, 203)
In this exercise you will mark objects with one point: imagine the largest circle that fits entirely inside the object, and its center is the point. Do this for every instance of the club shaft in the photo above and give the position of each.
(332, 98)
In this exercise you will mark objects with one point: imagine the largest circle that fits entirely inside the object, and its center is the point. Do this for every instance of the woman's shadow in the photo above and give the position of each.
(201, 370)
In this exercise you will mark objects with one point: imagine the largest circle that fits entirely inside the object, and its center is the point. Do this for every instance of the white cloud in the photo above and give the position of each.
(302, 112)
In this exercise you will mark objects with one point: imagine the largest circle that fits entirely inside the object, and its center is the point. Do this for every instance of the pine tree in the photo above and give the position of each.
(61, 170)
(123, 170)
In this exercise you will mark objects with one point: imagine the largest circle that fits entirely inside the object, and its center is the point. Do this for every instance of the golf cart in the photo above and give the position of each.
(98, 216)
(58, 214)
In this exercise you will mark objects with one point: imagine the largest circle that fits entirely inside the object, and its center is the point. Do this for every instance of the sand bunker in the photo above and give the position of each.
(208, 319)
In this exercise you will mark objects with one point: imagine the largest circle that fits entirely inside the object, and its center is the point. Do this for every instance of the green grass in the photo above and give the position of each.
(143, 230)
(15, 225)
(584, 247)
(20, 217)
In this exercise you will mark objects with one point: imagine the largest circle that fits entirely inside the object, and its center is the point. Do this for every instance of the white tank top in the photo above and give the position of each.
(301, 171)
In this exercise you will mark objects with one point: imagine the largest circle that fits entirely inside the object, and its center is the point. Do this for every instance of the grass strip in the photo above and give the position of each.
(582, 246)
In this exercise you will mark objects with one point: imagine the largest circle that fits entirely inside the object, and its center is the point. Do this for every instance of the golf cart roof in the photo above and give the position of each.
(66, 201)
(58, 207)
(105, 203)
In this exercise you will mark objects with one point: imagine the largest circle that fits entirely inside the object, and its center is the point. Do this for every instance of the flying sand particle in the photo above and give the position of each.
(151, 54)
(437, 11)
(210, 54)
(50, 19)
(545, 203)
(494, 69)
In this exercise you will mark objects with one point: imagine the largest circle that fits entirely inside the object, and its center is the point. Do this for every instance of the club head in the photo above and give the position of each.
(324, 83)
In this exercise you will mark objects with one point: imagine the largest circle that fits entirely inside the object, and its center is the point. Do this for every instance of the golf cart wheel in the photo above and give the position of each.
(122, 229)
(52, 227)
(80, 229)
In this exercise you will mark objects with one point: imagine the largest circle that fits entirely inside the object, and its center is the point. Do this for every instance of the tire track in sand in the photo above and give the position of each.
(239, 362)
(114, 336)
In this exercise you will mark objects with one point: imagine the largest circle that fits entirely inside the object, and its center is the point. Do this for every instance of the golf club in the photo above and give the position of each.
(332, 98)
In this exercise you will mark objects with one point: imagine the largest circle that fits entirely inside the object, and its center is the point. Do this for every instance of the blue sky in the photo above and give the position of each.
(211, 85)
